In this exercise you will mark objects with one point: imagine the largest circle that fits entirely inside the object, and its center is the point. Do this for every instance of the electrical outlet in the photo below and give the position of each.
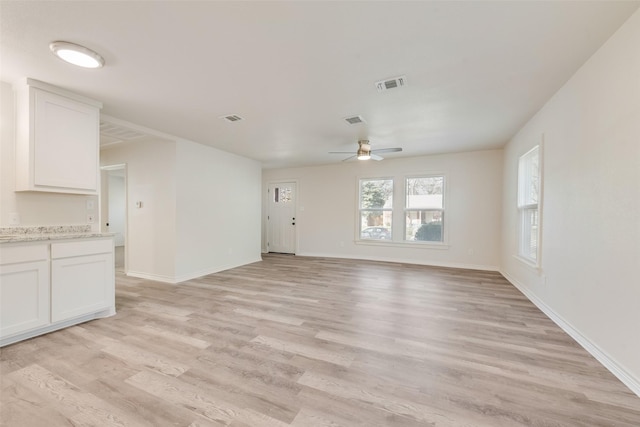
(14, 218)
(91, 219)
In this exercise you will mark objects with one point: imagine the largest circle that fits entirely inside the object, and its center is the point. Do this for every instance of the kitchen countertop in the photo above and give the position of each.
(50, 236)
(46, 233)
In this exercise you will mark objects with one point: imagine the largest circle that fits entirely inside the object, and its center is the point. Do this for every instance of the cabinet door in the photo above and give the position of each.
(24, 297)
(65, 143)
(81, 285)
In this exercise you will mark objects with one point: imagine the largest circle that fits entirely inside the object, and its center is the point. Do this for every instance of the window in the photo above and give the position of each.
(282, 194)
(376, 209)
(424, 209)
(529, 185)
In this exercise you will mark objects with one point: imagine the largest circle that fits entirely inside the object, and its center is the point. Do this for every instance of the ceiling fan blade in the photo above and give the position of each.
(349, 158)
(376, 157)
(387, 150)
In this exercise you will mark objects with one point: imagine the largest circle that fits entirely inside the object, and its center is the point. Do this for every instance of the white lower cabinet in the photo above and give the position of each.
(24, 292)
(80, 285)
(50, 286)
(82, 278)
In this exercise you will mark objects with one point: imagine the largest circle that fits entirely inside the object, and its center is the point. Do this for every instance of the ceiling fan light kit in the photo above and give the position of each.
(365, 152)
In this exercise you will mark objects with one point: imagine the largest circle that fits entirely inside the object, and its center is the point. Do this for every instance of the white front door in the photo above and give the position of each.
(281, 218)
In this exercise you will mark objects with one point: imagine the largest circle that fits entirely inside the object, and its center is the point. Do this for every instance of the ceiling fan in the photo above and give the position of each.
(365, 152)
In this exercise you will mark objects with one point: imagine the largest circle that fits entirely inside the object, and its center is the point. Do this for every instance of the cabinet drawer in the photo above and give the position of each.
(12, 254)
(81, 248)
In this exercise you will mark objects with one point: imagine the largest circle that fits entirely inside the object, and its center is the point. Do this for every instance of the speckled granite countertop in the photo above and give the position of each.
(51, 232)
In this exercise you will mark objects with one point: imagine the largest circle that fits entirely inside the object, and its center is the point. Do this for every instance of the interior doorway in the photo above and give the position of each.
(113, 210)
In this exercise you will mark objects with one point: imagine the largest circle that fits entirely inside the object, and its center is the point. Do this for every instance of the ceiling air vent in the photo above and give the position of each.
(118, 132)
(231, 118)
(354, 120)
(392, 83)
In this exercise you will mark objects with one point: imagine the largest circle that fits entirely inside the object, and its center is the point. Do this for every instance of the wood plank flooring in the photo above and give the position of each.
(294, 341)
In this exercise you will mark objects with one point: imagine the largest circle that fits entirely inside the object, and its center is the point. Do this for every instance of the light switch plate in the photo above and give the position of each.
(91, 205)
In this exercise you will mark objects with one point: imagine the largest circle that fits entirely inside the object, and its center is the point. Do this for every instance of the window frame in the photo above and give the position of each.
(443, 210)
(360, 209)
(398, 227)
(526, 207)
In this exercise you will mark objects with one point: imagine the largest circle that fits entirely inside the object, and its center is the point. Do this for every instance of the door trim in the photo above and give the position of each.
(104, 170)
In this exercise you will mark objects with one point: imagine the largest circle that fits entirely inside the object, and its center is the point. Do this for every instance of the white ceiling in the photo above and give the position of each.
(476, 71)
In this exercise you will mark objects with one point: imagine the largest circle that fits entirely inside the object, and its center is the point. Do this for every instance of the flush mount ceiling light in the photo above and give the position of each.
(76, 54)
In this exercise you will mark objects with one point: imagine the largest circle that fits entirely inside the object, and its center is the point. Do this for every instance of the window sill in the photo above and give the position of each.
(529, 264)
(392, 244)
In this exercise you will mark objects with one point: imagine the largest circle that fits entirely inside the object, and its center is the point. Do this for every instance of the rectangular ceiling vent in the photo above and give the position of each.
(354, 120)
(118, 132)
(392, 83)
(231, 118)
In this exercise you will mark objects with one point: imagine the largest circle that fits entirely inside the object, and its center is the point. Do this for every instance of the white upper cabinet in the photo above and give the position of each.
(57, 140)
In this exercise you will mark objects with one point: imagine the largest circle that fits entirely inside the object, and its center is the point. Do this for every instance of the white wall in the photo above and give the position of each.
(200, 208)
(591, 214)
(33, 208)
(218, 216)
(151, 179)
(326, 220)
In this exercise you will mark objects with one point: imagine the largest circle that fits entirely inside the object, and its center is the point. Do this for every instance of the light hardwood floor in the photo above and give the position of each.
(294, 341)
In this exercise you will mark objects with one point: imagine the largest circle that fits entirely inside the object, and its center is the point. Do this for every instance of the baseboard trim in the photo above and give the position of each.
(404, 261)
(150, 276)
(174, 280)
(211, 270)
(57, 326)
(601, 356)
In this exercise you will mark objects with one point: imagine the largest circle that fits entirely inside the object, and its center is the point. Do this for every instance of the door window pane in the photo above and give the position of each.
(282, 195)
